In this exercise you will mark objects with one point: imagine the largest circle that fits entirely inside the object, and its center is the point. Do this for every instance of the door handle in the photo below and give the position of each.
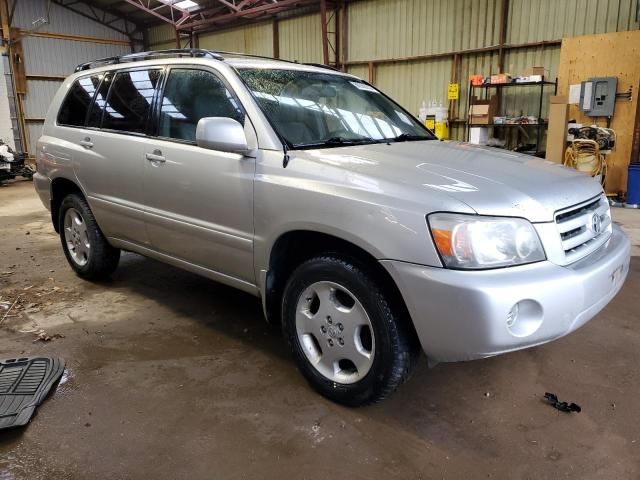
(156, 157)
(86, 143)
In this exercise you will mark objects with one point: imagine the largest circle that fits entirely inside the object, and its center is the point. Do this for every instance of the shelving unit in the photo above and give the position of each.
(541, 123)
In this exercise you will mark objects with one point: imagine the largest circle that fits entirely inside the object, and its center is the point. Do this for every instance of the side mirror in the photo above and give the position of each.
(221, 133)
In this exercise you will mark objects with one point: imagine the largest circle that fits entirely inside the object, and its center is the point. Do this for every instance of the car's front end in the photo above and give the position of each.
(466, 313)
(492, 251)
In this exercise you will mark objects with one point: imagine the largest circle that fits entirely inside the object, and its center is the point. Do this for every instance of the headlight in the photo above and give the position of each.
(477, 242)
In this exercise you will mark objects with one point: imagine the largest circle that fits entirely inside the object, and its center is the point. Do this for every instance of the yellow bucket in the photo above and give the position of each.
(442, 130)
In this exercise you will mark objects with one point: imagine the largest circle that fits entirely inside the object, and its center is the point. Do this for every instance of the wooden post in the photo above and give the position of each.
(504, 22)
(4, 19)
(344, 36)
(371, 73)
(336, 35)
(178, 39)
(455, 66)
(325, 34)
(276, 38)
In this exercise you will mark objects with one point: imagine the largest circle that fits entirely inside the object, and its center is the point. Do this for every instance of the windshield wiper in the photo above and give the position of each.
(407, 137)
(337, 141)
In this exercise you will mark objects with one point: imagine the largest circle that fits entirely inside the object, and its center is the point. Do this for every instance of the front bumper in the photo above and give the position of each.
(463, 315)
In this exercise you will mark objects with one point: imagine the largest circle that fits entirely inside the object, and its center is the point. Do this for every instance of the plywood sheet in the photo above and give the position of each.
(606, 55)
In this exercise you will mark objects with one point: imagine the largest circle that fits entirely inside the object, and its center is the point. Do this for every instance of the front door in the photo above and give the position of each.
(199, 202)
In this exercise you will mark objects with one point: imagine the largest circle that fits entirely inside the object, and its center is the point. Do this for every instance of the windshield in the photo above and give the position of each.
(314, 109)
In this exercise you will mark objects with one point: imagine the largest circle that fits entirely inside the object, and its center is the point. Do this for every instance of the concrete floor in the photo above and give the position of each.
(173, 376)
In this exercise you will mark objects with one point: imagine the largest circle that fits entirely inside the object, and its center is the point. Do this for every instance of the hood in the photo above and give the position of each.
(490, 180)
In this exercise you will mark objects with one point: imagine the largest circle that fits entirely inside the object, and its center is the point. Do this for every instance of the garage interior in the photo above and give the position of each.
(171, 375)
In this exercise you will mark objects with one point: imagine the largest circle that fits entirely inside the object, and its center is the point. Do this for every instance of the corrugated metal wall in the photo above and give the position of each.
(57, 57)
(61, 20)
(253, 39)
(383, 29)
(535, 20)
(161, 37)
(392, 29)
(428, 27)
(301, 38)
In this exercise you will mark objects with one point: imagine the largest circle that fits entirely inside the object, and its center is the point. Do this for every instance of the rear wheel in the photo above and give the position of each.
(84, 245)
(348, 341)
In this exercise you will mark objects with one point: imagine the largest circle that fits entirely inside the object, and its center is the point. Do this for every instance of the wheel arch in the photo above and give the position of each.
(60, 188)
(296, 246)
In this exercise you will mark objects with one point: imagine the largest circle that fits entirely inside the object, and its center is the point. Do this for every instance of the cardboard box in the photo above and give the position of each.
(557, 131)
(531, 71)
(500, 78)
(481, 112)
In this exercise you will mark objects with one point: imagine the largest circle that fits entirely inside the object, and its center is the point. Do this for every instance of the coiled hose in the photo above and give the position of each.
(585, 156)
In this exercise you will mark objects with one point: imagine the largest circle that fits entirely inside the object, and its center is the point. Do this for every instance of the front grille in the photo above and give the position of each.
(584, 227)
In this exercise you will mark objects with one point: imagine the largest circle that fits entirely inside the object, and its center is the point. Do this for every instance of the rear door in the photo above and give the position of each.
(200, 201)
(114, 142)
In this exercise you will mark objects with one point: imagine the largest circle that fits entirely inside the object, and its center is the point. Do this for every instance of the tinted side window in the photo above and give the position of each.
(99, 102)
(190, 95)
(129, 100)
(73, 110)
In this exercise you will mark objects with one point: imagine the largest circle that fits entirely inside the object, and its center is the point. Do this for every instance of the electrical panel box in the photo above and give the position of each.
(598, 96)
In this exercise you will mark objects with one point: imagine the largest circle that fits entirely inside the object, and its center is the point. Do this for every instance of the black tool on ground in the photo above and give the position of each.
(12, 164)
(24, 384)
(552, 400)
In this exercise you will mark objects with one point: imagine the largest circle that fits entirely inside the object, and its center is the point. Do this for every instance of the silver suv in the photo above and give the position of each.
(365, 237)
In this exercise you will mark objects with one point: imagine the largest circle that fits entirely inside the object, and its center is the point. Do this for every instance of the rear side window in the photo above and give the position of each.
(129, 101)
(99, 102)
(75, 106)
(190, 95)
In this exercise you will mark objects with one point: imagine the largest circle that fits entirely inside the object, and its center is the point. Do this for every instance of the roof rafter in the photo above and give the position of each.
(104, 15)
(217, 12)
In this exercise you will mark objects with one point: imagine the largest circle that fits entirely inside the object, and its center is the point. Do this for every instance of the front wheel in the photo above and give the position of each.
(84, 245)
(347, 339)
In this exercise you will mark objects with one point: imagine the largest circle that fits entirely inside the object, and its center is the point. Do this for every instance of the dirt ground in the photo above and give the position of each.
(170, 376)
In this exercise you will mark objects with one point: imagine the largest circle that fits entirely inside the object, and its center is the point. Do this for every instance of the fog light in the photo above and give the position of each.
(524, 318)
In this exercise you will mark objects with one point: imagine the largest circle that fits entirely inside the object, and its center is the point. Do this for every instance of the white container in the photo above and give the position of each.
(479, 135)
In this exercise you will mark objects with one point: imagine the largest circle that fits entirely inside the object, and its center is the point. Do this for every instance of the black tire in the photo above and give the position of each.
(103, 258)
(396, 348)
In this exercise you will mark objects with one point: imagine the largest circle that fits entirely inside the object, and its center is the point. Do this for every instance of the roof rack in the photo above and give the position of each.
(251, 55)
(140, 56)
(322, 65)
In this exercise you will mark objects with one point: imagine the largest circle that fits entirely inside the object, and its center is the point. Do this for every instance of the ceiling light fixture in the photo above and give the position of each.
(186, 4)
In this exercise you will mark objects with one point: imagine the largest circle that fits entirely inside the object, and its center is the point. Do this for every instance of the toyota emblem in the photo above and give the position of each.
(596, 223)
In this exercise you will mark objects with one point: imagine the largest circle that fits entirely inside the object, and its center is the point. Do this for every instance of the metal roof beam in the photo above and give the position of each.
(207, 17)
(174, 16)
(105, 16)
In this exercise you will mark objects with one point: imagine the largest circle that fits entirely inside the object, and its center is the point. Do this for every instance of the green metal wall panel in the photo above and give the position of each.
(400, 28)
(414, 82)
(535, 20)
(301, 38)
(163, 45)
(253, 39)
(392, 29)
(161, 34)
